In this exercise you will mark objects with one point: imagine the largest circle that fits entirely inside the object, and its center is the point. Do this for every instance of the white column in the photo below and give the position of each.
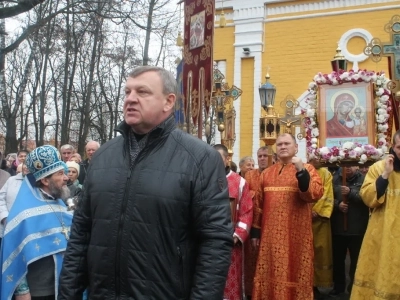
(237, 67)
(258, 76)
(248, 19)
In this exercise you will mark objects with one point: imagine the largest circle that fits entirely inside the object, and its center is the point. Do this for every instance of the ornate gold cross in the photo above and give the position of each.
(65, 232)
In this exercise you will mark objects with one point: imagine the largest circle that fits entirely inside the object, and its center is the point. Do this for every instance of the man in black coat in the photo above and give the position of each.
(90, 148)
(347, 238)
(154, 221)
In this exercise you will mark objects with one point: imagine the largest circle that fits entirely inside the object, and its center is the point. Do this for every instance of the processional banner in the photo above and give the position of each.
(197, 56)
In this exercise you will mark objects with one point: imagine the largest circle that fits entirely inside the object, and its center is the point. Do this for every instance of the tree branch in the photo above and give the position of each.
(31, 29)
(21, 7)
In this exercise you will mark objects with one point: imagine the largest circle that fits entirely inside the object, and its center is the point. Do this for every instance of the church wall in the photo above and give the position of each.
(299, 39)
(297, 49)
(246, 107)
(224, 38)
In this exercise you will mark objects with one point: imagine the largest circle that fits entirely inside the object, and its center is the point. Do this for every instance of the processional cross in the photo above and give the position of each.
(376, 50)
(290, 119)
(221, 91)
(222, 99)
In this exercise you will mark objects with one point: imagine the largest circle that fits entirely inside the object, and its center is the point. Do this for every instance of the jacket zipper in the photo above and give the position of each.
(122, 221)
(119, 236)
(121, 225)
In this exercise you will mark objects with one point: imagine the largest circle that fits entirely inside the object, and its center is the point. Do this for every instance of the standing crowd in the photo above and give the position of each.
(156, 213)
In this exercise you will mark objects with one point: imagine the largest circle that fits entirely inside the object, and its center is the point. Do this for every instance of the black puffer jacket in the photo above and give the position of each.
(161, 231)
(358, 212)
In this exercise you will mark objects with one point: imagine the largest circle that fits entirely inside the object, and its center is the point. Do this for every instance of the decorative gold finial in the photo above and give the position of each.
(222, 19)
(179, 40)
(338, 54)
(267, 76)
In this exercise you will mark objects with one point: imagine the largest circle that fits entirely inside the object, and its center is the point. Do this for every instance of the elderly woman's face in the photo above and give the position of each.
(75, 159)
(72, 174)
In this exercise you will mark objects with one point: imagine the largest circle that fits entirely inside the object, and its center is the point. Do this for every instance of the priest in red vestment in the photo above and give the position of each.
(242, 217)
(282, 226)
(250, 253)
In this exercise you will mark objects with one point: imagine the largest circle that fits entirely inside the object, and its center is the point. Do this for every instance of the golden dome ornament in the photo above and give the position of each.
(221, 127)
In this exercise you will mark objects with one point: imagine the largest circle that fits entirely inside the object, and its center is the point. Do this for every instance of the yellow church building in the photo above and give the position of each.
(294, 40)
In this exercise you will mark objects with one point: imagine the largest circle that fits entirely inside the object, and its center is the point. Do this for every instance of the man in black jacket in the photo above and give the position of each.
(347, 237)
(90, 148)
(154, 222)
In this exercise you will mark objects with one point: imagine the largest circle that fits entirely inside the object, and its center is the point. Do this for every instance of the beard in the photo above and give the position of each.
(58, 193)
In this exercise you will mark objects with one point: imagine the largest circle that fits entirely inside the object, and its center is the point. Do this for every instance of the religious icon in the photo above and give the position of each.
(341, 123)
(197, 27)
(229, 126)
(346, 114)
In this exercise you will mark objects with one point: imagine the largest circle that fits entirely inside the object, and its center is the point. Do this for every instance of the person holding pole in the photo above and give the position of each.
(349, 221)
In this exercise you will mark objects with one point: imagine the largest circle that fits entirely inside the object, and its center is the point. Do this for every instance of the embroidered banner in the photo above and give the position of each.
(197, 56)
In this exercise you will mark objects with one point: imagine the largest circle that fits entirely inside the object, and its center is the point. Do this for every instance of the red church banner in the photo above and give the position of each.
(198, 59)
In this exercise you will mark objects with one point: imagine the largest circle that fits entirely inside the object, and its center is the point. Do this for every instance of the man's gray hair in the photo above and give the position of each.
(243, 160)
(67, 147)
(263, 148)
(94, 142)
(169, 82)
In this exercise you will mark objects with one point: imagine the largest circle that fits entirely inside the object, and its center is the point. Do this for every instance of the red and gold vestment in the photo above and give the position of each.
(242, 216)
(284, 268)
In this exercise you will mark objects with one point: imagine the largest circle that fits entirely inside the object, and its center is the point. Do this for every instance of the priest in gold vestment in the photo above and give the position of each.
(378, 268)
(282, 226)
(321, 226)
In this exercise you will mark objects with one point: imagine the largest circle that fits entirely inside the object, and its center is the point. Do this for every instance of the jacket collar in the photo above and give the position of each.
(162, 129)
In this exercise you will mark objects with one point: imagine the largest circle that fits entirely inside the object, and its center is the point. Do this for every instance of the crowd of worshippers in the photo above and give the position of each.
(44, 163)
(156, 213)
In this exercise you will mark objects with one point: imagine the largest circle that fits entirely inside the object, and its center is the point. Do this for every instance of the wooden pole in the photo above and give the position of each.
(344, 198)
(270, 155)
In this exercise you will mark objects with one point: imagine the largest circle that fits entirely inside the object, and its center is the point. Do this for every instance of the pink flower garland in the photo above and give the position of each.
(349, 150)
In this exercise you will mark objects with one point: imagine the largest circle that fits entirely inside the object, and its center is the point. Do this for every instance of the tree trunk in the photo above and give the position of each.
(148, 33)
(87, 103)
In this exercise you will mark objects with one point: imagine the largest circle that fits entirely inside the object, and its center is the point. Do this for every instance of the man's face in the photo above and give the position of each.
(66, 154)
(145, 104)
(364, 170)
(350, 171)
(396, 147)
(248, 165)
(285, 147)
(56, 185)
(91, 148)
(225, 158)
(262, 156)
(21, 157)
